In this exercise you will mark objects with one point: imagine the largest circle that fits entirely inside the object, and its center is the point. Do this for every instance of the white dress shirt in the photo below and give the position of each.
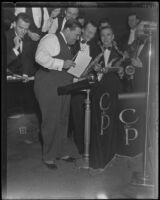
(85, 47)
(131, 36)
(106, 56)
(37, 16)
(54, 26)
(48, 48)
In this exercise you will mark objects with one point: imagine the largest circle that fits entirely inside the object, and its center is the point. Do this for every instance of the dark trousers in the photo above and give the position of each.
(77, 117)
(55, 111)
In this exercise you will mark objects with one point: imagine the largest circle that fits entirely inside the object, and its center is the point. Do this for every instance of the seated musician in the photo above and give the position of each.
(19, 62)
(104, 101)
(88, 46)
(17, 39)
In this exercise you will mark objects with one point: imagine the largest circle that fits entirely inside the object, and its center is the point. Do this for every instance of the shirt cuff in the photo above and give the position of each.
(59, 64)
(15, 51)
(24, 75)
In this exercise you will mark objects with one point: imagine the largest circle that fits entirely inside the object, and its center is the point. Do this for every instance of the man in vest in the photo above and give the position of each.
(59, 22)
(55, 58)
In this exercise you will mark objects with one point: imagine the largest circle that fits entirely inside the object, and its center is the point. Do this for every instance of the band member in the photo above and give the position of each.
(54, 57)
(104, 98)
(88, 46)
(19, 62)
(39, 17)
(128, 37)
(134, 59)
(58, 23)
(18, 46)
(53, 13)
(140, 59)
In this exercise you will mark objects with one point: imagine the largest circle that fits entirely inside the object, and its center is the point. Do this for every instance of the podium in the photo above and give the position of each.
(83, 86)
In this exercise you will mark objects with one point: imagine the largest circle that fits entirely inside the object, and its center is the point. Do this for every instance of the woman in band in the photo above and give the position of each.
(104, 97)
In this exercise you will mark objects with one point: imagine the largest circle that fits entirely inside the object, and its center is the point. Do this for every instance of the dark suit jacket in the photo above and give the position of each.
(122, 40)
(24, 62)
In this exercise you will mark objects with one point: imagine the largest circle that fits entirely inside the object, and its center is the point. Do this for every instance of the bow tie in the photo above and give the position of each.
(83, 41)
(109, 48)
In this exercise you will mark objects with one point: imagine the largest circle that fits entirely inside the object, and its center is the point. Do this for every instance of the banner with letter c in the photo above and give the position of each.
(132, 124)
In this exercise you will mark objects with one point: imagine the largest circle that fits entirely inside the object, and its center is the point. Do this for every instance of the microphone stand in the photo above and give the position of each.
(144, 179)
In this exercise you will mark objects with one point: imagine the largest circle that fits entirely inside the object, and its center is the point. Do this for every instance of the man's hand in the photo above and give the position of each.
(97, 67)
(136, 62)
(125, 55)
(25, 78)
(68, 64)
(17, 41)
(33, 36)
(121, 72)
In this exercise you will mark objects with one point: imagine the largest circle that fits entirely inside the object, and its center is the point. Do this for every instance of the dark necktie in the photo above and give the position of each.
(21, 47)
(109, 48)
(83, 42)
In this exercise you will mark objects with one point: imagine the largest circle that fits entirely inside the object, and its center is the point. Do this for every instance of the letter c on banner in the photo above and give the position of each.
(121, 116)
(101, 103)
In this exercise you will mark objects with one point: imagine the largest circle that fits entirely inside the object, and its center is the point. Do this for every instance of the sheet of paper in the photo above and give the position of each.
(82, 60)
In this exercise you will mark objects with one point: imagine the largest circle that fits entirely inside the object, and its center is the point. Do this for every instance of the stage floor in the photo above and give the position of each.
(28, 178)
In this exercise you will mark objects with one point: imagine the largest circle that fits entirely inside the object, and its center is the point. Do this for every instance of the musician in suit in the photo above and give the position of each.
(39, 17)
(19, 62)
(59, 22)
(53, 15)
(104, 98)
(54, 57)
(89, 47)
(128, 37)
(18, 44)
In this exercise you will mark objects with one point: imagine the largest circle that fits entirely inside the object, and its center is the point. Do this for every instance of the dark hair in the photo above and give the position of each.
(133, 14)
(72, 24)
(72, 7)
(106, 27)
(104, 20)
(93, 23)
(25, 17)
(50, 9)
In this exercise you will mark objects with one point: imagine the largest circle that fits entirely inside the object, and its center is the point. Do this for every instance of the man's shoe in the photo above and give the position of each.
(51, 165)
(68, 159)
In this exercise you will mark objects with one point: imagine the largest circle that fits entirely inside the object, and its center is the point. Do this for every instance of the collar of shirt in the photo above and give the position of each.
(63, 23)
(64, 38)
